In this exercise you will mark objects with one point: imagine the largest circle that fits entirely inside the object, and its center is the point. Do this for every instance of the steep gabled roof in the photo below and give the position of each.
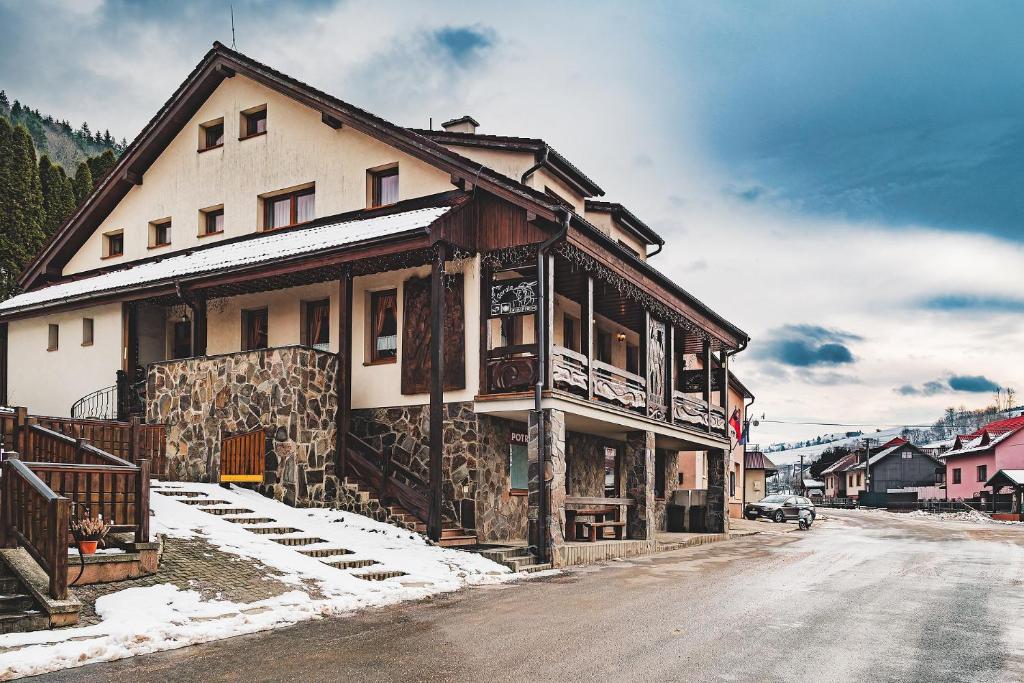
(220, 63)
(985, 438)
(756, 460)
(846, 462)
(561, 167)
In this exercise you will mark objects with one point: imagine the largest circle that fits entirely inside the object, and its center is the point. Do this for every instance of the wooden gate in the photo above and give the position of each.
(242, 456)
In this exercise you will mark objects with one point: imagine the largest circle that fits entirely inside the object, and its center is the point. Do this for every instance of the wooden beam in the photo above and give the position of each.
(224, 70)
(437, 301)
(329, 120)
(707, 380)
(199, 327)
(485, 323)
(670, 352)
(549, 318)
(343, 381)
(587, 332)
(725, 394)
(132, 177)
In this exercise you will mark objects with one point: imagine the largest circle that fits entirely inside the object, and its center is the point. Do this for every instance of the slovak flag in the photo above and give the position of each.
(734, 422)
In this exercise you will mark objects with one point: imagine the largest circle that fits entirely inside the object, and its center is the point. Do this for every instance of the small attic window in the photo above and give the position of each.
(113, 244)
(383, 185)
(254, 122)
(160, 233)
(211, 135)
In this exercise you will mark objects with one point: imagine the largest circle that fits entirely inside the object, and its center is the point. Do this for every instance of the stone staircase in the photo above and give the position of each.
(19, 610)
(516, 558)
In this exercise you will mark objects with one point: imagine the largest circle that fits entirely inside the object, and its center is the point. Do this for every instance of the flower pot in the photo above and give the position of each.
(88, 547)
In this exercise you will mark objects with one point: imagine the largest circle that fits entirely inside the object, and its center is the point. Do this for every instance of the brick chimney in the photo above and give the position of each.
(464, 124)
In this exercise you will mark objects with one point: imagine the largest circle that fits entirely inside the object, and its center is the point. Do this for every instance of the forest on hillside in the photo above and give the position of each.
(38, 192)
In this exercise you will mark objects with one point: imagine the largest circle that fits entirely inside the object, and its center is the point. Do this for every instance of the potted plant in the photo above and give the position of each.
(89, 531)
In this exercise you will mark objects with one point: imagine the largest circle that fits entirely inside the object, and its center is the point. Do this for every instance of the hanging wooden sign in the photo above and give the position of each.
(513, 297)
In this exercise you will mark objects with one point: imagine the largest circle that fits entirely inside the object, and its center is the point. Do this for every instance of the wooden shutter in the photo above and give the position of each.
(416, 315)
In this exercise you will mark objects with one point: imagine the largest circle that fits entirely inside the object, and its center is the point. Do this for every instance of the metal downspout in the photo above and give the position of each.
(540, 162)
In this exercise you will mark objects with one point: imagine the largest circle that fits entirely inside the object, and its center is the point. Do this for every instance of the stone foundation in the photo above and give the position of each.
(500, 515)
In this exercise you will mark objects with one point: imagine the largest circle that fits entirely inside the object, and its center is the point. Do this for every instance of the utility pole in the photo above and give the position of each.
(803, 489)
(867, 465)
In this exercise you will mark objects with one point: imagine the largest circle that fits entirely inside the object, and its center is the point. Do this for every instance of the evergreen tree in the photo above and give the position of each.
(16, 109)
(21, 205)
(58, 195)
(82, 182)
(84, 131)
(100, 165)
(107, 139)
(4, 102)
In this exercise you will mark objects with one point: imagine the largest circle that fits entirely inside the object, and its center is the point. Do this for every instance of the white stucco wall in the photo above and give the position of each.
(48, 382)
(297, 149)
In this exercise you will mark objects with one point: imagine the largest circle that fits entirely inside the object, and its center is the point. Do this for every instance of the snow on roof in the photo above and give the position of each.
(270, 247)
(1007, 478)
(996, 432)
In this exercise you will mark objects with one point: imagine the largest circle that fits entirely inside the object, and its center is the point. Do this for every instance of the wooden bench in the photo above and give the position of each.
(595, 530)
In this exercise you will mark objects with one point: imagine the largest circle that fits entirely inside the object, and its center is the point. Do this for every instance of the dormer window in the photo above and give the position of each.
(113, 244)
(254, 122)
(160, 233)
(211, 135)
(383, 185)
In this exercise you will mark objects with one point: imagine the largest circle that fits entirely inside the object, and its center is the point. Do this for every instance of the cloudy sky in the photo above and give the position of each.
(841, 180)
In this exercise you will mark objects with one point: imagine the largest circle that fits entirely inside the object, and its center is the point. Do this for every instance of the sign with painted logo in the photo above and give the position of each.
(513, 297)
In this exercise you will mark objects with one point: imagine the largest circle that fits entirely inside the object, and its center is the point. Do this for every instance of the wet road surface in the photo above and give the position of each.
(863, 596)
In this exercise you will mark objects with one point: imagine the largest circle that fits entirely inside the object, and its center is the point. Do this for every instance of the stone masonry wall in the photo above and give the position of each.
(288, 391)
(403, 432)
(500, 515)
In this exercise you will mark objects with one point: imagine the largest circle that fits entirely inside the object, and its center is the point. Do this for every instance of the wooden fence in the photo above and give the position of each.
(36, 517)
(130, 441)
(243, 456)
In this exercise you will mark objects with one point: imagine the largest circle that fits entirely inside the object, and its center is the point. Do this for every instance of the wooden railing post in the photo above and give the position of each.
(20, 423)
(7, 504)
(142, 503)
(133, 440)
(58, 518)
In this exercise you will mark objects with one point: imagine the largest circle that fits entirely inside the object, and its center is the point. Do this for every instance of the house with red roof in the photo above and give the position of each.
(977, 456)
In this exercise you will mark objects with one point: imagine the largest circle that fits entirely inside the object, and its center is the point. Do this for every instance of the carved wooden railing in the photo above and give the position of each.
(694, 413)
(616, 386)
(243, 456)
(363, 461)
(511, 368)
(34, 516)
(569, 370)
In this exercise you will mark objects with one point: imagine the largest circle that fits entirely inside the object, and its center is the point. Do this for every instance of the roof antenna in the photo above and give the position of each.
(431, 123)
(232, 8)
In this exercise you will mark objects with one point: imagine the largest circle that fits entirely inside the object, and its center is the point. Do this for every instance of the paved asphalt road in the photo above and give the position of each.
(861, 597)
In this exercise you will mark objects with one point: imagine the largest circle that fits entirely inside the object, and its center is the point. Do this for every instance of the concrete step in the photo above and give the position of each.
(297, 540)
(266, 530)
(351, 564)
(530, 569)
(499, 555)
(325, 552)
(379, 575)
(227, 511)
(456, 541)
(250, 520)
(27, 620)
(16, 602)
(203, 501)
(518, 564)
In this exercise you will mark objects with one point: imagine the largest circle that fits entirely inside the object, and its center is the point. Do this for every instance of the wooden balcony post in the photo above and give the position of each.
(485, 323)
(58, 518)
(437, 310)
(549, 318)
(20, 429)
(725, 391)
(670, 353)
(198, 326)
(142, 502)
(587, 333)
(343, 420)
(707, 379)
(133, 440)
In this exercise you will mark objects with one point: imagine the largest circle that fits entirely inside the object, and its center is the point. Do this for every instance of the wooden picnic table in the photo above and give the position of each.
(599, 513)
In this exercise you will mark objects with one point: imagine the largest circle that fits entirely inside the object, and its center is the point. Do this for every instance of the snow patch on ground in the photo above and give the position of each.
(149, 619)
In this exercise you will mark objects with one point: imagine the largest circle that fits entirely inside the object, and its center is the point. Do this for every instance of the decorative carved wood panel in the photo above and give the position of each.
(416, 316)
(693, 381)
(656, 369)
(511, 374)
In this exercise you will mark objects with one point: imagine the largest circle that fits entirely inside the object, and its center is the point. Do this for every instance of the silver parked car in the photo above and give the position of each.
(781, 508)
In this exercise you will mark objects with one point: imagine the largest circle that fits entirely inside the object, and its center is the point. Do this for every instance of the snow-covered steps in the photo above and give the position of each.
(516, 558)
(181, 494)
(350, 564)
(275, 530)
(202, 501)
(297, 540)
(227, 511)
(379, 575)
(250, 520)
(324, 552)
